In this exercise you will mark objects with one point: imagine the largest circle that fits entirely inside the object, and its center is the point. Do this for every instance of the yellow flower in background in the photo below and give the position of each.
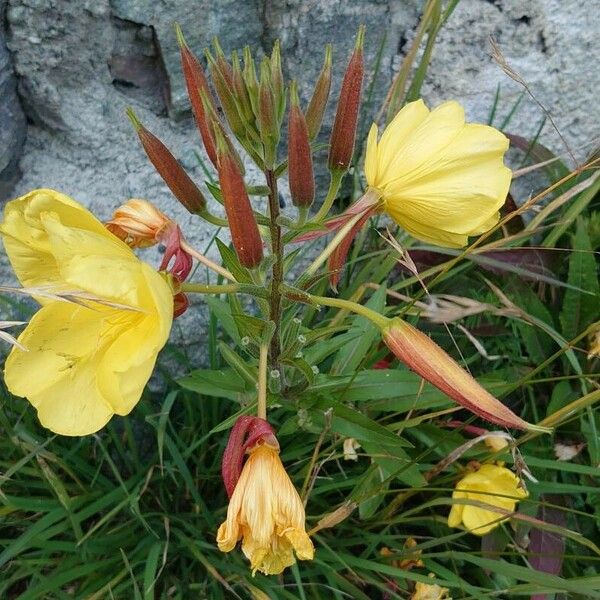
(84, 362)
(430, 591)
(267, 514)
(439, 178)
(490, 484)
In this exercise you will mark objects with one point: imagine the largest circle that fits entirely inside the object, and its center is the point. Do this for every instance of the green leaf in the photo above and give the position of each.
(231, 262)
(580, 310)
(222, 312)
(222, 383)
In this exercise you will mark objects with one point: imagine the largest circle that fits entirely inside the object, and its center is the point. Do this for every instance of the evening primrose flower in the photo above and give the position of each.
(490, 484)
(439, 178)
(87, 361)
(265, 511)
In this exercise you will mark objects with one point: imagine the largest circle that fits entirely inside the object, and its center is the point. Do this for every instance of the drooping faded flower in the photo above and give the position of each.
(490, 484)
(265, 511)
(430, 591)
(84, 362)
(439, 178)
(141, 225)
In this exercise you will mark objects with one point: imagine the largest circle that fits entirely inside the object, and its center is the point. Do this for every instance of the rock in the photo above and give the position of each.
(12, 119)
(235, 23)
(80, 63)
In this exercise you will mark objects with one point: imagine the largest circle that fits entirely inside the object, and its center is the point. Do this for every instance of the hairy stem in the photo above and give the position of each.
(261, 410)
(277, 272)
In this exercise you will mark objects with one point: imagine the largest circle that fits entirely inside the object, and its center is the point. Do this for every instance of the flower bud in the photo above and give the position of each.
(267, 118)
(300, 166)
(195, 81)
(318, 102)
(343, 134)
(423, 356)
(222, 77)
(250, 78)
(139, 224)
(240, 91)
(180, 304)
(242, 223)
(277, 81)
(173, 174)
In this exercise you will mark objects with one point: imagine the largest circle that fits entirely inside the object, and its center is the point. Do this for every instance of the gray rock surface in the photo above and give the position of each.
(12, 118)
(79, 63)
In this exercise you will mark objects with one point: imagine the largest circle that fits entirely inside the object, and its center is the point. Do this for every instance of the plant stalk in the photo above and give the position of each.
(277, 272)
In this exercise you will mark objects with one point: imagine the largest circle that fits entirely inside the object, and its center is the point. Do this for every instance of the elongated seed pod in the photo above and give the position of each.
(343, 134)
(242, 223)
(300, 165)
(173, 174)
(196, 84)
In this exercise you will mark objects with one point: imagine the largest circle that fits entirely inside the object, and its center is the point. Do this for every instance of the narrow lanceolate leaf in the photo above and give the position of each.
(300, 166)
(173, 174)
(343, 134)
(427, 359)
(196, 84)
(580, 309)
(242, 223)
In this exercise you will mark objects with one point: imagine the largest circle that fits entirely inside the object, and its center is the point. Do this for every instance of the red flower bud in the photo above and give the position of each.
(318, 102)
(173, 174)
(346, 117)
(196, 83)
(300, 166)
(242, 223)
(423, 356)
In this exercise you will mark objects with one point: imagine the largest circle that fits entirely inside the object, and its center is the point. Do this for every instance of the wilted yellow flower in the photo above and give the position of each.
(84, 362)
(139, 223)
(439, 178)
(490, 484)
(496, 443)
(428, 591)
(267, 514)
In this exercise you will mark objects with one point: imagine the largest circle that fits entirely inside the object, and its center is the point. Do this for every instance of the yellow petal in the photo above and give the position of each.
(399, 133)
(25, 237)
(426, 232)
(371, 156)
(432, 135)
(455, 516)
(58, 373)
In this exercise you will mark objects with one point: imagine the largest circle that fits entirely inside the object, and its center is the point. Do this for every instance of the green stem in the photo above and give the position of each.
(277, 272)
(333, 244)
(359, 309)
(261, 410)
(228, 288)
(202, 288)
(334, 188)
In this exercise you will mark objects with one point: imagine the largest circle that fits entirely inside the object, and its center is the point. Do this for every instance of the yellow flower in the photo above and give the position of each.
(439, 178)
(490, 484)
(139, 223)
(427, 591)
(83, 363)
(267, 514)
